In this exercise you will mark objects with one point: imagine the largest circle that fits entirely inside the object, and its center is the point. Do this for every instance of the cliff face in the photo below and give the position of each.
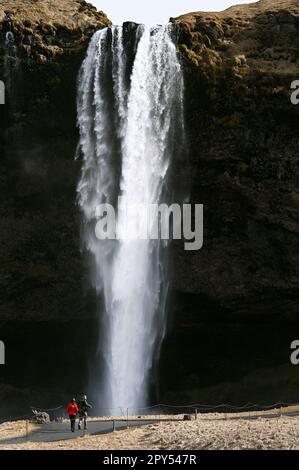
(41, 274)
(244, 150)
(236, 302)
(243, 285)
(41, 49)
(43, 29)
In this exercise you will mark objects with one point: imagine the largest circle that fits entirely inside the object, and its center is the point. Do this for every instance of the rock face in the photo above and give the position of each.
(235, 305)
(244, 162)
(46, 314)
(41, 50)
(244, 150)
(44, 33)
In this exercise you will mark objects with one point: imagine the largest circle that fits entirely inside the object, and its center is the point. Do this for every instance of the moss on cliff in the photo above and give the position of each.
(243, 39)
(43, 32)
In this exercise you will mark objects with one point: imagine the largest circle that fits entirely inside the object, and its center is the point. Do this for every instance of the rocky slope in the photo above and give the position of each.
(43, 30)
(235, 303)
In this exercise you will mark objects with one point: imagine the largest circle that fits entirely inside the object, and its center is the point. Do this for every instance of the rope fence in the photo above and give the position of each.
(163, 409)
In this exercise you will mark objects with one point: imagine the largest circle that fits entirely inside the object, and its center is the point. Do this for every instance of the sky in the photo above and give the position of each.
(153, 12)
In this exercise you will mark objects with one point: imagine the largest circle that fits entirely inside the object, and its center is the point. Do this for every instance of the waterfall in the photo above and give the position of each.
(130, 132)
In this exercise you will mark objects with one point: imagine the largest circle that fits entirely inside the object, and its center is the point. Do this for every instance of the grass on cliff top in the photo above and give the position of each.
(244, 11)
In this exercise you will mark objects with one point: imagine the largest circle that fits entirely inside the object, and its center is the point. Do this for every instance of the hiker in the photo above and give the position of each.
(72, 410)
(83, 406)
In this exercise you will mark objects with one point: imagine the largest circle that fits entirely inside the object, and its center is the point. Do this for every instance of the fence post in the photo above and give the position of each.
(27, 430)
(195, 413)
(114, 426)
(127, 418)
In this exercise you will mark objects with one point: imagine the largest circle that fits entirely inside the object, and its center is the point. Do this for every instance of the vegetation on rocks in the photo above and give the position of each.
(43, 32)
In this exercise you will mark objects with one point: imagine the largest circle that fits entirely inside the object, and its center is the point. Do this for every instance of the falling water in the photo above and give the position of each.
(130, 131)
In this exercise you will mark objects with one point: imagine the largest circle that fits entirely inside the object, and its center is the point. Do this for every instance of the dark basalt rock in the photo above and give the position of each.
(38, 143)
(244, 153)
(244, 157)
(41, 278)
(130, 27)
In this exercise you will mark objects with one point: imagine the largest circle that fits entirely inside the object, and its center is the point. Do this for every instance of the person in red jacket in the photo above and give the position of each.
(72, 410)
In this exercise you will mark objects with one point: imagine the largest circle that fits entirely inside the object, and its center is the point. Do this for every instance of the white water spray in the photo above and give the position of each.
(130, 131)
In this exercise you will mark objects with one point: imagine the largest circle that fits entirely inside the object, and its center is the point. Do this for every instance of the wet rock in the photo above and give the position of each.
(130, 27)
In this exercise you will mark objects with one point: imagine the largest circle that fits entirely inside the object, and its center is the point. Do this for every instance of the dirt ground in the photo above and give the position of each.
(209, 431)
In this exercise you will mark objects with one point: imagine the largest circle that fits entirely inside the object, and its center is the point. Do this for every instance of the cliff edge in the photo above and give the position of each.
(43, 30)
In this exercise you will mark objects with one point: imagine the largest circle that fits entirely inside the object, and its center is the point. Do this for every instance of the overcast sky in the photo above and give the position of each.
(153, 12)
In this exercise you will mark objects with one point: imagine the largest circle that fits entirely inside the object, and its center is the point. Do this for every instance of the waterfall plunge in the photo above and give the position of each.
(131, 125)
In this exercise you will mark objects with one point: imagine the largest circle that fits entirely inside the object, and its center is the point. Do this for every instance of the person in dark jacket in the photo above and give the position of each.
(83, 406)
(72, 410)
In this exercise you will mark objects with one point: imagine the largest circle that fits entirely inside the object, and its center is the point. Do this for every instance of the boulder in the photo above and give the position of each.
(40, 417)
